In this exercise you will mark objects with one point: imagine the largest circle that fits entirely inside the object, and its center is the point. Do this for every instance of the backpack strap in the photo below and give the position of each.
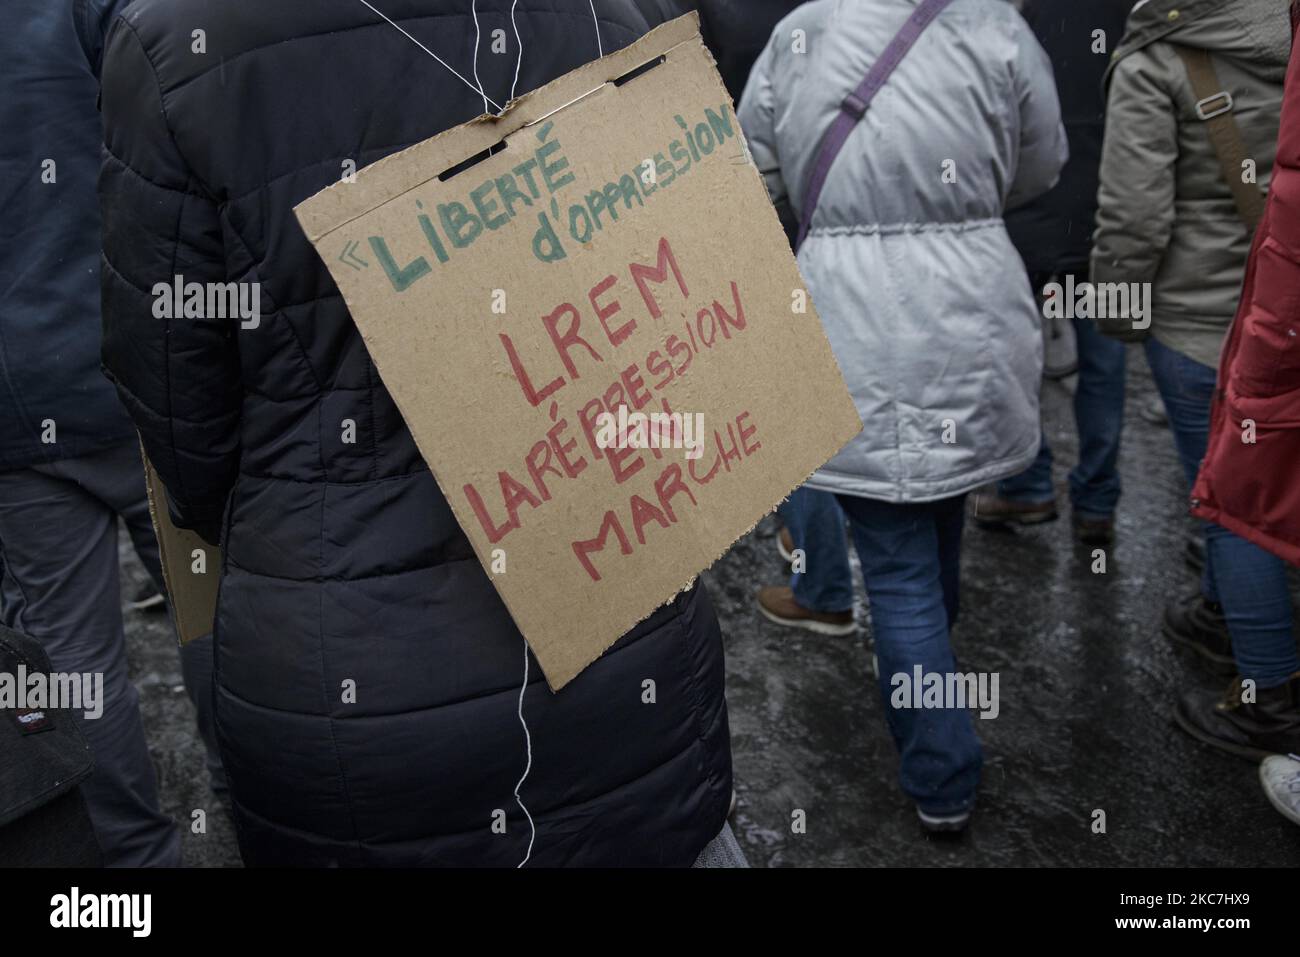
(855, 105)
(1214, 107)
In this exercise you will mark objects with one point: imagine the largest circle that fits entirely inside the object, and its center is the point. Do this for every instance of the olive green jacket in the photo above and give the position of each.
(1166, 215)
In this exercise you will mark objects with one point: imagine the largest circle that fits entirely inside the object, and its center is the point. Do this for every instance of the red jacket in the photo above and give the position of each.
(1253, 488)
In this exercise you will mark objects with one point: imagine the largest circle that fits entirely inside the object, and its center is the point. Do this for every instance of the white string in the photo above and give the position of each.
(477, 85)
(519, 56)
(519, 43)
(600, 49)
(432, 54)
(473, 9)
(528, 742)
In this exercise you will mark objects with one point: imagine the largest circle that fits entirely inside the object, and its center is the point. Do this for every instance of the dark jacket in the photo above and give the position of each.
(1251, 487)
(367, 674)
(49, 235)
(735, 31)
(1054, 232)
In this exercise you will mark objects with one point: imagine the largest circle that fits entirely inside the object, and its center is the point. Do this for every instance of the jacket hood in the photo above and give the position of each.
(1255, 34)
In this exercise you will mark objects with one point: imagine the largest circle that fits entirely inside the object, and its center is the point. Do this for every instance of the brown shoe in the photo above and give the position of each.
(785, 545)
(993, 511)
(776, 603)
(1094, 531)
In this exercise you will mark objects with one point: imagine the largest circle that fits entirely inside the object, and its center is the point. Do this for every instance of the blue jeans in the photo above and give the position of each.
(1099, 417)
(910, 555)
(816, 524)
(1249, 582)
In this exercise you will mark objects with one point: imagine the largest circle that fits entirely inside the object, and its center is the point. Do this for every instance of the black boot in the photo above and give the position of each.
(1198, 624)
(1253, 730)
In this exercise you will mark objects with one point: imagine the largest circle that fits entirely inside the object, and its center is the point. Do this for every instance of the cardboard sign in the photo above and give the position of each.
(191, 580)
(608, 260)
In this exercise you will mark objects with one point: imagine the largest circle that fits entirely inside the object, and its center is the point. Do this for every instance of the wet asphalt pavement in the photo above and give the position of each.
(1086, 680)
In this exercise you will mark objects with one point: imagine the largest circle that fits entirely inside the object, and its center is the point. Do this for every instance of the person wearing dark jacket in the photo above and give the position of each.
(70, 462)
(343, 565)
(1053, 235)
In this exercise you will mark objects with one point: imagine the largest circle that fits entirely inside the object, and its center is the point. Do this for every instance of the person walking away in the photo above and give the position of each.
(1053, 235)
(813, 540)
(1192, 121)
(926, 306)
(343, 565)
(1247, 480)
(70, 463)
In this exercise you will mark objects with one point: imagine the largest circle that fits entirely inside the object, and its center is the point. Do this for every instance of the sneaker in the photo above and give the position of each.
(1197, 624)
(943, 823)
(993, 511)
(785, 545)
(1094, 531)
(147, 598)
(776, 603)
(1252, 730)
(1281, 779)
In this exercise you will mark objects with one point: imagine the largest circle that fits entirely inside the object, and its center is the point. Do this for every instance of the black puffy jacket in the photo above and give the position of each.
(343, 565)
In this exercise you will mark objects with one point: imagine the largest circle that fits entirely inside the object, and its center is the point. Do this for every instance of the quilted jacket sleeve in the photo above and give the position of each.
(1135, 215)
(178, 377)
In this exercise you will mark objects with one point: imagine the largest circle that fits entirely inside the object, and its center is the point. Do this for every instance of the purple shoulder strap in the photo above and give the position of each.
(854, 106)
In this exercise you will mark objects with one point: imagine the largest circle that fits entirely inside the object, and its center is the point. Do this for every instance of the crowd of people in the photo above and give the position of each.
(1172, 111)
(950, 171)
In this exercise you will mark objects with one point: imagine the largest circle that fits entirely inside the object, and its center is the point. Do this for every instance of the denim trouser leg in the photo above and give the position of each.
(1248, 581)
(1099, 417)
(1257, 605)
(1187, 388)
(909, 558)
(816, 524)
(1034, 484)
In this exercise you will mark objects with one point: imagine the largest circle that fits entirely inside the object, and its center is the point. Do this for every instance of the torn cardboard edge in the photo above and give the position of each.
(191, 597)
(400, 172)
(686, 586)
